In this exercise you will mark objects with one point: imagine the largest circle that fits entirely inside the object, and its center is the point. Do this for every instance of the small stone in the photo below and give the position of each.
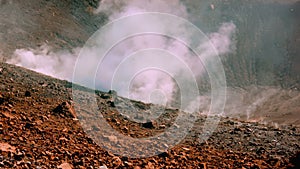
(27, 94)
(162, 126)
(103, 167)
(128, 163)
(1, 100)
(7, 147)
(111, 138)
(185, 148)
(204, 165)
(64, 166)
(19, 156)
(111, 103)
(28, 125)
(163, 154)
(65, 109)
(148, 125)
(105, 96)
(117, 161)
(112, 92)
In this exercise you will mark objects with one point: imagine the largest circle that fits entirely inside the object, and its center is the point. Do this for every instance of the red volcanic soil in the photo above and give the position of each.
(39, 129)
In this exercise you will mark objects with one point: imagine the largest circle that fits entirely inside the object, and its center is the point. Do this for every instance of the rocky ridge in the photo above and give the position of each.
(40, 129)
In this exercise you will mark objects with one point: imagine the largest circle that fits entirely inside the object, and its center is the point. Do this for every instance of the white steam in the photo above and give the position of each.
(151, 80)
(56, 64)
(60, 64)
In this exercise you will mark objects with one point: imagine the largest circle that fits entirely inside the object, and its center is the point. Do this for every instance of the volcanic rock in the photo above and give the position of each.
(148, 125)
(64, 166)
(43, 133)
(27, 94)
(65, 110)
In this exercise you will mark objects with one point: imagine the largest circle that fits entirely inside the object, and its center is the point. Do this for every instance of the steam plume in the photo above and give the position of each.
(60, 64)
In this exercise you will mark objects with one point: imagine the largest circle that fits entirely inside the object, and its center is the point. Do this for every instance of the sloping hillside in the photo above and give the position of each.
(62, 24)
(39, 129)
(41, 126)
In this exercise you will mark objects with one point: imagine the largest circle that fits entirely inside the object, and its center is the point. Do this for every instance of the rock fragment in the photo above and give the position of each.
(1, 99)
(103, 167)
(148, 125)
(65, 166)
(65, 110)
(7, 147)
(27, 94)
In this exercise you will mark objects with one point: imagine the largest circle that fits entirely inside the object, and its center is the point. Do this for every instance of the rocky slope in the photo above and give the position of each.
(267, 40)
(39, 126)
(61, 24)
(39, 129)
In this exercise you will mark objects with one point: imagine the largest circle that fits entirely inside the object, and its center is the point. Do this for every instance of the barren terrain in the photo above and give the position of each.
(41, 125)
(39, 129)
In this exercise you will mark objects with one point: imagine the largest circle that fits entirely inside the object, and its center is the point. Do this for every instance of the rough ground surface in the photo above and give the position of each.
(38, 125)
(39, 129)
(62, 24)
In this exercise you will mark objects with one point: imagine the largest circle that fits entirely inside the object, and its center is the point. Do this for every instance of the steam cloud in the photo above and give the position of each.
(60, 64)
(56, 64)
